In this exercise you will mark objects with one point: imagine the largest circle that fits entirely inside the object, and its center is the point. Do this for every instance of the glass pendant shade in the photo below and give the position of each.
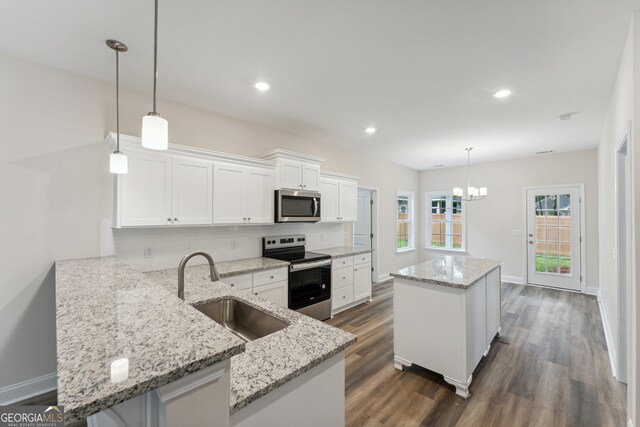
(457, 192)
(118, 163)
(155, 132)
(483, 191)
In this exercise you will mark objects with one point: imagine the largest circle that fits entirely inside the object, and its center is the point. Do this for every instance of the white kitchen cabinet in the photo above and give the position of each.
(295, 171)
(361, 281)
(274, 292)
(350, 281)
(164, 190)
(242, 195)
(192, 191)
(329, 190)
(348, 206)
(229, 194)
(339, 201)
(260, 195)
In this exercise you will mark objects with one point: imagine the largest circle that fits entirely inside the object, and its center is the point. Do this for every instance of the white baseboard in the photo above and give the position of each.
(383, 278)
(629, 422)
(27, 389)
(607, 335)
(512, 279)
(592, 291)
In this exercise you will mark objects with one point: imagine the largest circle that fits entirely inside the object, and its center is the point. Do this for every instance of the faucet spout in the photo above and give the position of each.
(183, 263)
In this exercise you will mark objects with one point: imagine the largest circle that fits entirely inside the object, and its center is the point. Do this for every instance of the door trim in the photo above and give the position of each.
(376, 277)
(583, 243)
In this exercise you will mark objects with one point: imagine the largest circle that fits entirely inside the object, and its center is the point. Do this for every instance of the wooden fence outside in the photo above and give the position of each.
(553, 235)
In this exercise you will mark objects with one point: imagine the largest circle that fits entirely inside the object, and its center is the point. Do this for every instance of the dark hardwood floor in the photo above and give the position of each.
(550, 368)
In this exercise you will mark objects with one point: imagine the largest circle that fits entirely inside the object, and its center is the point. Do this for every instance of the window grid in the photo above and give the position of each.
(446, 222)
(404, 227)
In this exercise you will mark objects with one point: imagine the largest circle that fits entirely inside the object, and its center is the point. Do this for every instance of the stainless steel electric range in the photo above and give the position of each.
(309, 274)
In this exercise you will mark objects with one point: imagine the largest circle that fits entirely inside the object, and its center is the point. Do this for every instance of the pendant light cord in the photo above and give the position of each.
(117, 101)
(155, 56)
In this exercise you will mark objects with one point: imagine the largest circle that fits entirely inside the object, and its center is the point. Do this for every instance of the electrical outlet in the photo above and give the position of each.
(148, 252)
(234, 244)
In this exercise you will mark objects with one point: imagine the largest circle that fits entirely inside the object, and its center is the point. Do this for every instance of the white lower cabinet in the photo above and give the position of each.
(272, 285)
(274, 292)
(350, 281)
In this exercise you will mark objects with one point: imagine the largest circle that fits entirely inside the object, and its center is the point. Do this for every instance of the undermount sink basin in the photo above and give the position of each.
(243, 320)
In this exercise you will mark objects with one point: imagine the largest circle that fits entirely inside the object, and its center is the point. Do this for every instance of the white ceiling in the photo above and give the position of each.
(423, 72)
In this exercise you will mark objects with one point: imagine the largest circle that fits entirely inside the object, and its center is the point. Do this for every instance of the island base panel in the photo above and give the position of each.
(462, 388)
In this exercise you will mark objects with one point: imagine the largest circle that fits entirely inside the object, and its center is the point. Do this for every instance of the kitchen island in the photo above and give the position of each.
(446, 314)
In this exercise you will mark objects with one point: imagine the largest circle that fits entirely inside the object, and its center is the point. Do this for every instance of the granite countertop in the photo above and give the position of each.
(342, 251)
(242, 266)
(454, 271)
(271, 361)
(105, 311)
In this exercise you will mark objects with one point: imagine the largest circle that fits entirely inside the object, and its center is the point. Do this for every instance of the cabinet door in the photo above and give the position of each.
(290, 174)
(329, 189)
(260, 194)
(348, 201)
(145, 192)
(361, 281)
(192, 191)
(274, 292)
(310, 177)
(229, 194)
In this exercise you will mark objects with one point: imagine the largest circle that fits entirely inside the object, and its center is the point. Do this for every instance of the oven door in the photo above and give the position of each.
(309, 283)
(297, 206)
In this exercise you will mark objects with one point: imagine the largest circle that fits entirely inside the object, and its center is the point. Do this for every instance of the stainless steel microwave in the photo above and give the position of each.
(297, 206)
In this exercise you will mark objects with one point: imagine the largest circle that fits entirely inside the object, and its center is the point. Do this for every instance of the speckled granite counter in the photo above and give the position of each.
(342, 251)
(455, 271)
(271, 361)
(106, 311)
(243, 266)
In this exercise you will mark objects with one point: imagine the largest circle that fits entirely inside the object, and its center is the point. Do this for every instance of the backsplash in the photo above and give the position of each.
(168, 245)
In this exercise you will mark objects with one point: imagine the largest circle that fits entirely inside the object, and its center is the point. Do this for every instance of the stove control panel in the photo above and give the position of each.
(276, 242)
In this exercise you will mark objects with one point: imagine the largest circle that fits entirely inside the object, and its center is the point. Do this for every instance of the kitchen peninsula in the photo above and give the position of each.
(446, 314)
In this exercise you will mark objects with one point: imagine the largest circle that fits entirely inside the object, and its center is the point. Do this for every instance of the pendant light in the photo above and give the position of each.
(155, 129)
(472, 193)
(118, 162)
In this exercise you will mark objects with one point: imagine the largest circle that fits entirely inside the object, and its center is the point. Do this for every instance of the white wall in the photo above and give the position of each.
(55, 187)
(491, 222)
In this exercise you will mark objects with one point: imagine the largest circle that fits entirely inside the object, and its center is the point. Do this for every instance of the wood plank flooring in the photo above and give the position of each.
(550, 368)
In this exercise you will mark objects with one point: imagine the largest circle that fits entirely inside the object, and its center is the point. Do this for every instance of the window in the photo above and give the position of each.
(404, 230)
(445, 221)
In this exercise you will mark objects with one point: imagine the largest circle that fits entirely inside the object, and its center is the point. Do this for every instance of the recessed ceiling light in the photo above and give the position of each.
(503, 93)
(262, 86)
(370, 130)
(567, 116)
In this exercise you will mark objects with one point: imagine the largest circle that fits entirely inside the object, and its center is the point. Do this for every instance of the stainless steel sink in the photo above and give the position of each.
(245, 321)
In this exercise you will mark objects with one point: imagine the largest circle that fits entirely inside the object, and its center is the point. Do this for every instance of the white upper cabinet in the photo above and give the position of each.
(348, 201)
(229, 194)
(329, 190)
(143, 196)
(242, 195)
(310, 177)
(260, 196)
(295, 171)
(192, 191)
(339, 201)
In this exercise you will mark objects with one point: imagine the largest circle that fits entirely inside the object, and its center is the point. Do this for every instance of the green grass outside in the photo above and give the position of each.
(551, 263)
(402, 243)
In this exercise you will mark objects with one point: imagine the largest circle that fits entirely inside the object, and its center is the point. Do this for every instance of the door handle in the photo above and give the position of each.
(531, 242)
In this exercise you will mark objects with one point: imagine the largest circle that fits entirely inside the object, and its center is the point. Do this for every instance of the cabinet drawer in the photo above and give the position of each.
(342, 277)
(345, 261)
(342, 297)
(243, 281)
(270, 276)
(362, 258)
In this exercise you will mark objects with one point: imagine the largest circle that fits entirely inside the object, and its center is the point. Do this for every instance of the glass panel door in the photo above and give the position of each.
(553, 237)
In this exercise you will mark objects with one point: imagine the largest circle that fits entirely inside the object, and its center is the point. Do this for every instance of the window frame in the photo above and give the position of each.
(411, 245)
(428, 200)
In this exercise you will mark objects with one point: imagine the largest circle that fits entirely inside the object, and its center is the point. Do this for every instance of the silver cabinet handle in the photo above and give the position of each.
(175, 219)
(344, 278)
(271, 277)
(244, 219)
(344, 296)
(169, 219)
(249, 219)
